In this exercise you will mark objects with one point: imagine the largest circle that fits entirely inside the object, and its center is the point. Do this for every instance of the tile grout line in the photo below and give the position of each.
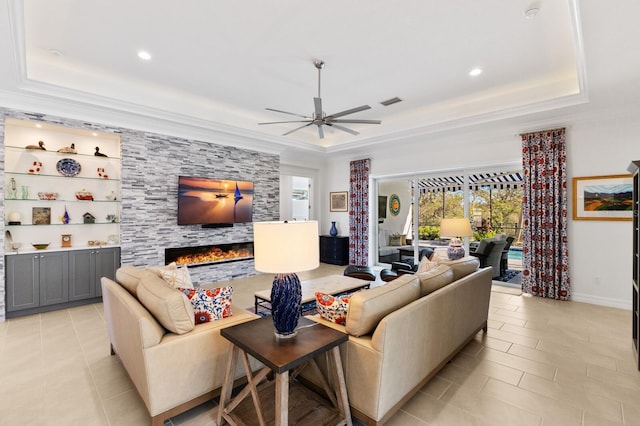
(86, 362)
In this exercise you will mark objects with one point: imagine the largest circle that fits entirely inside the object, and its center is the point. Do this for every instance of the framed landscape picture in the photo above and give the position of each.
(338, 201)
(603, 197)
(41, 216)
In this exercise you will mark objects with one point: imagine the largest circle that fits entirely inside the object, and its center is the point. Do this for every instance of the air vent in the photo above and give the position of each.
(391, 101)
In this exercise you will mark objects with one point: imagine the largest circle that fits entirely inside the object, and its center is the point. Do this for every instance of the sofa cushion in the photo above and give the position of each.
(128, 277)
(462, 267)
(169, 306)
(368, 307)
(333, 308)
(209, 304)
(434, 279)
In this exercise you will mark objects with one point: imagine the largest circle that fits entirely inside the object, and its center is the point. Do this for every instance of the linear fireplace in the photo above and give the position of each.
(206, 255)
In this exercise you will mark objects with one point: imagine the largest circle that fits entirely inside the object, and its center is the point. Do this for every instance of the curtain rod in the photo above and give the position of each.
(543, 130)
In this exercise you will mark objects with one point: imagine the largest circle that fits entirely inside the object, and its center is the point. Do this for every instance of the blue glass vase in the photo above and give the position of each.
(333, 231)
(286, 296)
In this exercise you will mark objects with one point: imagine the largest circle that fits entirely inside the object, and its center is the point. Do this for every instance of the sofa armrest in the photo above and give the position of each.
(183, 367)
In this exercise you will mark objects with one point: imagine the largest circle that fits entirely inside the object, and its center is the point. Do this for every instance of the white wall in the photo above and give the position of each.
(599, 251)
(402, 188)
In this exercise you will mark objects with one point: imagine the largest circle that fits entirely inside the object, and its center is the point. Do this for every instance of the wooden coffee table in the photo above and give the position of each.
(286, 358)
(331, 284)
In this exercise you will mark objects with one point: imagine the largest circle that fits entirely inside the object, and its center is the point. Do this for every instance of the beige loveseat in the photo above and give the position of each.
(172, 372)
(403, 332)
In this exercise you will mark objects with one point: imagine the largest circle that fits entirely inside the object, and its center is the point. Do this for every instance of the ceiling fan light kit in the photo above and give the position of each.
(319, 118)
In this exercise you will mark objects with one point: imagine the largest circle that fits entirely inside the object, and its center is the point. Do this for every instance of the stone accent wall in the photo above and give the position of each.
(151, 164)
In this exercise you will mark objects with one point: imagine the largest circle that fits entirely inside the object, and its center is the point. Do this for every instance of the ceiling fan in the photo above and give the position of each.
(319, 118)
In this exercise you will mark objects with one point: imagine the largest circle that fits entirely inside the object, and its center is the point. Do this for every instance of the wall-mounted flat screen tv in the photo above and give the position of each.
(207, 201)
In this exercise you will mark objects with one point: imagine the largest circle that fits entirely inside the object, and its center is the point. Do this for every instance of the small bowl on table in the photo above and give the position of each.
(40, 246)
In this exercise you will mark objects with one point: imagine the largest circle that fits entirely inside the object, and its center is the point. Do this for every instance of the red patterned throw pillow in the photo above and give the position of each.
(333, 308)
(209, 304)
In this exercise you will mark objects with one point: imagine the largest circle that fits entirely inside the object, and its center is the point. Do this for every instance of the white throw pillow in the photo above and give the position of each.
(426, 265)
(177, 278)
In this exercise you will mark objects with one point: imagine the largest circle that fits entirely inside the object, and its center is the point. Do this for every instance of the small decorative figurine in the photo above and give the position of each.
(89, 218)
(69, 149)
(65, 218)
(98, 153)
(12, 191)
(102, 173)
(39, 146)
(35, 170)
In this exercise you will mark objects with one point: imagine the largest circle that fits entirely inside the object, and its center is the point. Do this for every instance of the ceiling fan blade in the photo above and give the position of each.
(356, 121)
(286, 112)
(349, 111)
(281, 122)
(344, 129)
(298, 128)
(320, 131)
(317, 102)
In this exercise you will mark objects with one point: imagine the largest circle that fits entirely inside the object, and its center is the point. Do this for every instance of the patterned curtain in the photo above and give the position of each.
(359, 212)
(544, 212)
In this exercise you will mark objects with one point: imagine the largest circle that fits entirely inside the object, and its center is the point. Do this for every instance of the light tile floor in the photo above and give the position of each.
(542, 362)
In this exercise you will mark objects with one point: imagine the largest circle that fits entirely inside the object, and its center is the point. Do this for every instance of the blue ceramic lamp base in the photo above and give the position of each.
(286, 296)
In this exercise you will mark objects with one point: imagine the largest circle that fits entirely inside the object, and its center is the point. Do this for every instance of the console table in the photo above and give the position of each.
(286, 358)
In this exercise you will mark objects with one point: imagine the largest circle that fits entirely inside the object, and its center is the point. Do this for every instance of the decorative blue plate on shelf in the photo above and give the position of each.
(68, 167)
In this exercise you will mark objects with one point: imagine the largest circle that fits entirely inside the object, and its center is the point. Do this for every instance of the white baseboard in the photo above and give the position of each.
(603, 301)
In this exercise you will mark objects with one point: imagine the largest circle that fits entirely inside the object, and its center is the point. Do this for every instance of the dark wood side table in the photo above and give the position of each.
(334, 250)
(286, 358)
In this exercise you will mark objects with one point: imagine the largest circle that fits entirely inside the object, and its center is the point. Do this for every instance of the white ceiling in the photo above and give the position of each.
(218, 64)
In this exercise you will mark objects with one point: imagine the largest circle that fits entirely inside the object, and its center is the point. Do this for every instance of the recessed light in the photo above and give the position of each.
(94, 134)
(531, 12)
(39, 126)
(475, 72)
(144, 55)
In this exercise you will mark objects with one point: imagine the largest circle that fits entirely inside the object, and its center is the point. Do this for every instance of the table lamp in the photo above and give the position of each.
(455, 228)
(285, 248)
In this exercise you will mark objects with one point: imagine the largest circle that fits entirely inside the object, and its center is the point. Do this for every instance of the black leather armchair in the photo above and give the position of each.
(407, 266)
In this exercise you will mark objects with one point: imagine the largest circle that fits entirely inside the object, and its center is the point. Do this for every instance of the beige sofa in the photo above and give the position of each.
(403, 332)
(172, 372)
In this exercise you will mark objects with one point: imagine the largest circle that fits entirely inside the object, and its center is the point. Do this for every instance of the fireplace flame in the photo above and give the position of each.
(216, 254)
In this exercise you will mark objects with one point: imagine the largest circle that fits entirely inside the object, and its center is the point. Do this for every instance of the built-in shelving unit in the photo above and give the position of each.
(44, 188)
(58, 191)
(634, 168)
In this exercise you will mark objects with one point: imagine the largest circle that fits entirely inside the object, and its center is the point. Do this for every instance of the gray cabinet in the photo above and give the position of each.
(87, 267)
(37, 279)
(23, 281)
(54, 275)
(39, 282)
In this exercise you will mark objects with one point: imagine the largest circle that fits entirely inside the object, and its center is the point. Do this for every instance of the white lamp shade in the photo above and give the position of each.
(286, 247)
(455, 228)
